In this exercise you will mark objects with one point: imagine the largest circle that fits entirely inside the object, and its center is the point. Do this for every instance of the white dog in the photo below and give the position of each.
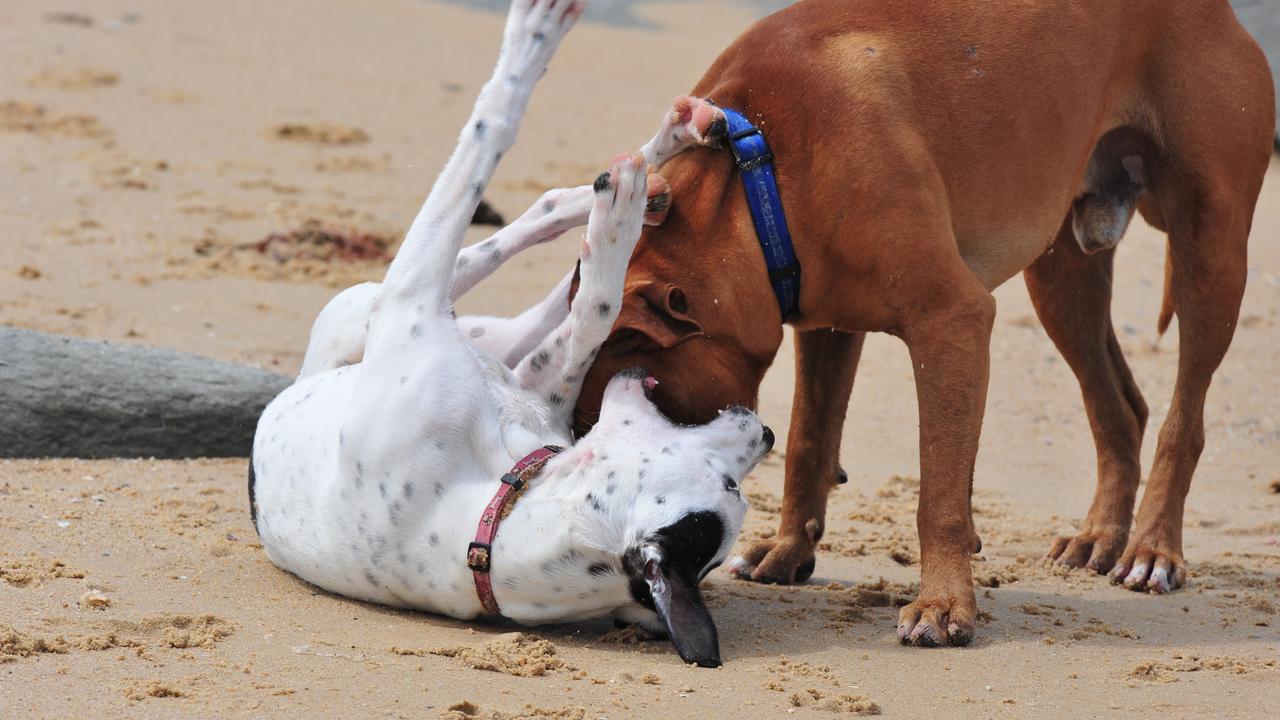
(384, 480)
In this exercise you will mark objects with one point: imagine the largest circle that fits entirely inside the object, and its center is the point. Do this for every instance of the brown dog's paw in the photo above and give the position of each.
(1097, 550)
(780, 561)
(939, 620)
(1148, 566)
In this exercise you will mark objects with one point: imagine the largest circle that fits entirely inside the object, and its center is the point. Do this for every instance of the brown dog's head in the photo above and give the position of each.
(697, 312)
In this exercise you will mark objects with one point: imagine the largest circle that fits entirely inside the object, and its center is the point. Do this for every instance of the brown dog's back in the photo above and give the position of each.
(1003, 108)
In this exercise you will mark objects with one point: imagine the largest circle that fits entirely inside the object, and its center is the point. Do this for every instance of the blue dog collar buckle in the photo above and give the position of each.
(750, 149)
(755, 164)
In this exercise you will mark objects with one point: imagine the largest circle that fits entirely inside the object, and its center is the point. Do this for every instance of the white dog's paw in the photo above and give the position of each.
(534, 31)
(696, 121)
(691, 122)
(616, 218)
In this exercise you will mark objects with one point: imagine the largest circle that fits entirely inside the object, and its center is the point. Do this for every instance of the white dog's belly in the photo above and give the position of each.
(394, 533)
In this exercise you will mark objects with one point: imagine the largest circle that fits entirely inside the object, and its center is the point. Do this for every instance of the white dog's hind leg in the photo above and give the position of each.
(555, 368)
(339, 332)
(420, 275)
(418, 376)
(510, 339)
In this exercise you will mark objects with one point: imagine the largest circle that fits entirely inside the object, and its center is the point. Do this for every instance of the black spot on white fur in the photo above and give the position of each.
(602, 182)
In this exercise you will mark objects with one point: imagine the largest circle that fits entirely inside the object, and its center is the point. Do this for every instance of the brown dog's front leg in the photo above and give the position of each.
(950, 353)
(826, 361)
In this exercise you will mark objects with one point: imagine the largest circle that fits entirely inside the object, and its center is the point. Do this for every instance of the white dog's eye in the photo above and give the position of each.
(730, 484)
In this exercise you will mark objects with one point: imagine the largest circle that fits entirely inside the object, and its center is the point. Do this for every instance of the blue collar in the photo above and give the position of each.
(755, 164)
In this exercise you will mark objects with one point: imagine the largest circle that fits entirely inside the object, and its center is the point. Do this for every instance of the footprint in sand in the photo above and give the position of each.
(34, 118)
(74, 79)
(319, 133)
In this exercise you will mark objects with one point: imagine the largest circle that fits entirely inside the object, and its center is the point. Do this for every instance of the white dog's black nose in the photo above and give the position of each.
(767, 437)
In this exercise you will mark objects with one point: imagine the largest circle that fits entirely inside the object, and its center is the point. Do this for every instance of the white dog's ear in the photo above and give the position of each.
(664, 569)
(680, 605)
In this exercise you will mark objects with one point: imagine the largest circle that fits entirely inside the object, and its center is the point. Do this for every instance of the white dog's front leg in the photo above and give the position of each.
(556, 367)
(689, 123)
(554, 214)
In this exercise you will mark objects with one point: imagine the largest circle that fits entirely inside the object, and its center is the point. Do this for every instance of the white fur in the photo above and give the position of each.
(339, 333)
(371, 476)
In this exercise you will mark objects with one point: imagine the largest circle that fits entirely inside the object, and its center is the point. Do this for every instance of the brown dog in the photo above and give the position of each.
(927, 152)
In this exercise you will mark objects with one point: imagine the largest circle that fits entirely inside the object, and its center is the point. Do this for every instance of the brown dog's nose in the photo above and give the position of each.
(768, 438)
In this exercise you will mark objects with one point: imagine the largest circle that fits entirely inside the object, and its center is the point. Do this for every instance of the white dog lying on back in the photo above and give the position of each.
(371, 479)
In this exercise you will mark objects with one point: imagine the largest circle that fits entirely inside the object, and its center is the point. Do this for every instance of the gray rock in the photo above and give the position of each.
(1262, 18)
(66, 397)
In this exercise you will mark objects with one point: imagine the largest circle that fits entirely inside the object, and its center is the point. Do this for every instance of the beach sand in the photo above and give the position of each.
(139, 152)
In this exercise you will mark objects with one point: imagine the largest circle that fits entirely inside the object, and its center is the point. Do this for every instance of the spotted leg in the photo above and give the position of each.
(422, 271)
(555, 368)
(419, 281)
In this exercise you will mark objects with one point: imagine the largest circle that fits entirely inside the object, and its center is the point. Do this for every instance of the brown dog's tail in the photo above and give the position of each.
(1166, 306)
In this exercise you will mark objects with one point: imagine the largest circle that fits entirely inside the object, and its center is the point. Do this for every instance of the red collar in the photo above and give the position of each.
(479, 552)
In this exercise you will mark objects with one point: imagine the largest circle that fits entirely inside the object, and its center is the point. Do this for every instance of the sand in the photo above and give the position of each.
(144, 155)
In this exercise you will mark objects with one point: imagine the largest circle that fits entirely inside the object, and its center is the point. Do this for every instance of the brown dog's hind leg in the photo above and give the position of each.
(826, 361)
(1071, 292)
(1208, 245)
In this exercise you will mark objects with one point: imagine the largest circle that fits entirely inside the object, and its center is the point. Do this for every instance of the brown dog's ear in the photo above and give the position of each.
(654, 316)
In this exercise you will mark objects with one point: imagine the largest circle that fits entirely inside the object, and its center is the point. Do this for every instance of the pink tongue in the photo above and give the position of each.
(650, 382)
